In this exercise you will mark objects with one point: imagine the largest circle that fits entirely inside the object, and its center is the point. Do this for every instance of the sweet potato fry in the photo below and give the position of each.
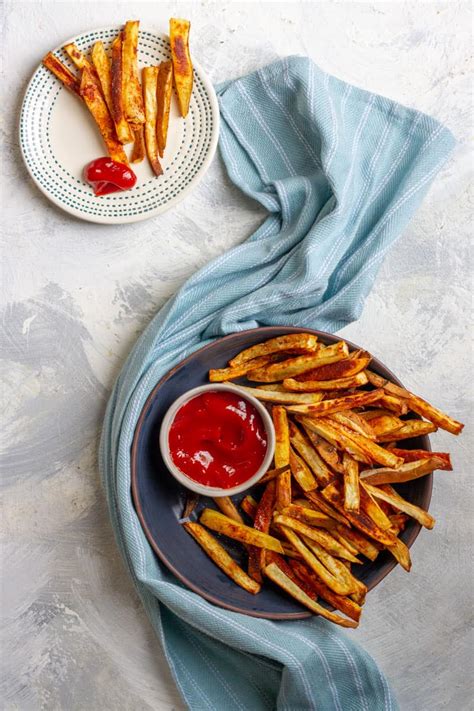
(249, 506)
(150, 81)
(322, 537)
(373, 509)
(302, 472)
(221, 558)
(283, 397)
(92, 95)
(401, 554)
(326, 407)
(216, 521)
(182, 66)
(132, 91)
(138, 150)
(62, 73)
(410, 429)
(304, 447)
(163, 97)
(273, 388)
(284, 581)
(191, 503)
(395, 404)
(386, 493)
(407, 472)
(413, 455)
(385, 424)
(124, 132)
(308, 515)
(300, 364)
(326, 451)
(101, 64)
(398, 522)
(220, 375)
(340, 602)
(81, 61)
(313, 385)
(335, 566)
(302, 342)
(353, 421)
(351, 483)
(371, 449)
(271, 474)
(317, 501)
(336, 435)
(282, 456)
(353, 537)
(262, 521)
(227, 506)
(335, 371)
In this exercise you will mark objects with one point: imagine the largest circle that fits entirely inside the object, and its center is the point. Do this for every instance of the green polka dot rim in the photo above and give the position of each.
(58, 137)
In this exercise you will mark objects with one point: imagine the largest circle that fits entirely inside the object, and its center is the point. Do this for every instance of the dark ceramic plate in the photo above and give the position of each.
(159, 499)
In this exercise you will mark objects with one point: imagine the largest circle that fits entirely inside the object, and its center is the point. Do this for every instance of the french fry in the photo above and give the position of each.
(398, 522)
(337, 437)
(302, 472)
(163, 97)
(101, 64)
(304, 447)
(335, 371)
(124, 132)
(92, 95)
(138, 150)
(335, 566)
(395, 404)
(249, 506)
(191, 503)
(216, 521)
(340, 602)
(317, 500)
(80, 61)
(262, 521)
(351, 483)
(353, 537)
(324, 538)
(410, 429)
(227, 506)
(282, 456)
(326, 451)
(271, 474)
(284, 581)
(220, 375)
(407, 472)
(371, 449)
(150, 81)
(313, 385)
(353, 421)
(308, 515)
(132, 91)
(300, 364)
(343, 403)
(401, 554)
(302, 342)
(273, 388)
(385, 424)
(221, 558)
(386, 493)
(282, 397)
(373, 509)
(413, 455)
(182, 66)
(62, 73)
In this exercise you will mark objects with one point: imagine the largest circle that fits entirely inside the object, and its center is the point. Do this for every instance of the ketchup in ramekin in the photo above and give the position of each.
(218, 439)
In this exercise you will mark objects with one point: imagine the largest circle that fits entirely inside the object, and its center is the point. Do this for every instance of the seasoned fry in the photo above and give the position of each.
(308, 515)
(337, 437)
(124, 132)
(410, 429)
(401, 554)
(334, 566)
(373, 509)
(413, 455)
(274, 388)
(344, 403)
(284, 581)
(221, 558)
(62, 73)
(407, 472)
(182, 66)
(283, 397)
(191, 502)
(138, 150)
(262, 521)
(351, 483)
(249, 506)
(227, 506)
(322, 537)
(395, 404)
(313, 385)
(150, 80)
(340, 602)
(386, 493)
(132, 91)
(370, 448)
(238, 531)
(282, 456)
(92, 96)
(295, 342)
(220, 375)
(102, 66)
(351, 536)
(302, 472)
(300, 364)
(80, 61)
(326, 451)
(334, 371)
(353, 421)
(163, 97)
(303, 446)
(385, 424)
(317, 500)
(271, 474)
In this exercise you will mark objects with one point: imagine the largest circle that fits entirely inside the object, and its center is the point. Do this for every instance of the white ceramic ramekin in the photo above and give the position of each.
(194, 485)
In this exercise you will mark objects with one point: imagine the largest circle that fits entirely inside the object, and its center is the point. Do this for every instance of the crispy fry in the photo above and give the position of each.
(370, 448)
(284, 581)
(316, 500)
(373, 509)
(221, 558)
(334, 566)
(398, 522)
(343, 403)
(163, 97)
(302, 342)
(273, 388)
(216, 521)
(62, 73)
(303, 512)
(282, 456)
(337, 437)
(138, 150)
(385, 424)
(304, 447)
(386, 493)
(283, 490)
(124, 132)
(335, 371)
(401, 554)
(300, 364)
(102, 66)
(340, 602)
(249, 506)
(410, 429)
(182, 66)
(313, 385)
(351, 536)
(132, 91)
(227, 506)
(413, 455)
(283, 397)
(271, 474)
(220, 375)
(407, 472)
(191, 502)
(302, 472)
(92, 96)
(353, 421)
(150, 80)
(326, 451)
(262, 521)
(80, 61)
(351, 483)
(322, 537)
(395, 404)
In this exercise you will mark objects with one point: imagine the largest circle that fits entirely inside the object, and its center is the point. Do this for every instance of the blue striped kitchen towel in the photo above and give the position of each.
(340, 171)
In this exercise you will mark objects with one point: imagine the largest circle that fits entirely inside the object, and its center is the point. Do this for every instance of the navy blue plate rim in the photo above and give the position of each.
(266, 332)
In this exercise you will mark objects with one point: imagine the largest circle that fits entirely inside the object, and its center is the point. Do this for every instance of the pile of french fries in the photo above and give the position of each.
(329, 501)
(125, 110)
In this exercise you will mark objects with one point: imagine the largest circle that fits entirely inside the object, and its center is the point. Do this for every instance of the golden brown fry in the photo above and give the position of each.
(386, 493)
(300, 364)
(283, 490)
(407, 472)
(271, 474)
(342, 369)
(102, 66)
(302, 472)
(220, 375)
(163, 97)
(317, 501)
(294, 342)
(334, 566)
(370, 448)
(249, 506)
(262, 521)
(340, 602)
(80, 61)
(138, 150)
(372, 509)
(273, 388)
(283, 397)
(238, 531)
(282, 456)
(182, 66)
(326, 451)
(284, 581)
(327, 407)
(124, 132)
(313, 385)
(395, 404)
(337, 437)
(92, 95)
(353, 537)
(401, 553)
(62, 73)
(322, 537)
(304, 447)
(303, 512)
(413, 455)
(132, 96)
(150, 81)
(353, 421)
(385, 424)
(351, 483)
(227, 506)
(191, 502)
(410, 429)
(221, 558)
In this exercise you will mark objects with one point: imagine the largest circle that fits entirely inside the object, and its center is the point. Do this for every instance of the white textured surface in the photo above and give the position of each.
(75, 296)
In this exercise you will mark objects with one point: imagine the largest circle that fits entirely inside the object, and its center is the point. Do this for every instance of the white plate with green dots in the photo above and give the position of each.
(58, 137)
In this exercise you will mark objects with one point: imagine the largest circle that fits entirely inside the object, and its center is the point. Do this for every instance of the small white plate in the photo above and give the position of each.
(58, 137)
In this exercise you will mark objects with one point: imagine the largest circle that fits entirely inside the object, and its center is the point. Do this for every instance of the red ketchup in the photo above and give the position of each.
(108, 176)
(218, 439)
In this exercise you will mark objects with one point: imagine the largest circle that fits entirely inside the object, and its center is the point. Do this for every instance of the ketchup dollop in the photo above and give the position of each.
(218, 439)
(108, 176)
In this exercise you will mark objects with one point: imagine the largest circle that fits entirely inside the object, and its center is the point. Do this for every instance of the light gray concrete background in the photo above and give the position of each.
(75, 296)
